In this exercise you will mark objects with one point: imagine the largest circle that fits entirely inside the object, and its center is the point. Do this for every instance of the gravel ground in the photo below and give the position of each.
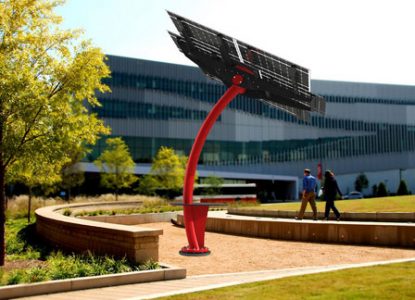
(238, 254)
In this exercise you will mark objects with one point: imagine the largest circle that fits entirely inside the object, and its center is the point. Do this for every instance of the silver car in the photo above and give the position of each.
(354, 195)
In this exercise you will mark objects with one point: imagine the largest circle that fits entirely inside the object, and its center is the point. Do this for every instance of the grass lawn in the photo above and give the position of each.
(385, 204)
(395, 281)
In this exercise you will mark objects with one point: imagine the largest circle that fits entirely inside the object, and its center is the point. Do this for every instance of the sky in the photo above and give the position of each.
(351, 40)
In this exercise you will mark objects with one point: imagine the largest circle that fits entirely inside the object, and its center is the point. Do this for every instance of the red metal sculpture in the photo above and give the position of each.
(244, 70)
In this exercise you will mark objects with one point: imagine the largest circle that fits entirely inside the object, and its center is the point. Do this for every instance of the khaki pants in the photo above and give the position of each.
(308, 197)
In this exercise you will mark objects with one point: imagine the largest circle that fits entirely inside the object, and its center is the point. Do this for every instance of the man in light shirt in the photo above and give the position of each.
(308, 194)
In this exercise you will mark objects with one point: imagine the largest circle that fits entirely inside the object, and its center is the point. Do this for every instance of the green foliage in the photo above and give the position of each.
(167, 173)
(361, 182)
(403, 188)
(48, 78)
(149, 265)
(15, 277)
(67, 212)
(36, 274)
(374, 190)
(116, 165)
(149, 206)
(60, 266)
(57, 264)
(147, 185)
(72, 174)
(214, 185)
(382, 190)
(20, 240)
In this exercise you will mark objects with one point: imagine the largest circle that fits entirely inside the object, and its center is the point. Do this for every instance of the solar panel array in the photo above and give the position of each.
(268, 77)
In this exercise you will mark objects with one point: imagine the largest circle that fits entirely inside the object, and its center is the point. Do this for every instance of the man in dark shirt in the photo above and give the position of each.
(330, 189)
(308, 194)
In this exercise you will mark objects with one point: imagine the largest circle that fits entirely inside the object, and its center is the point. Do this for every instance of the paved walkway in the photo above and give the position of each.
(194, 283)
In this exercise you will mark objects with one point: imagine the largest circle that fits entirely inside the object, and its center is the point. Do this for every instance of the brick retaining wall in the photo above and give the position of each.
(138, 244)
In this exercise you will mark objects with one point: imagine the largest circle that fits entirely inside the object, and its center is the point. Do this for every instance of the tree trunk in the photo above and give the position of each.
(29, 204)
(2, 214)
(2, 200)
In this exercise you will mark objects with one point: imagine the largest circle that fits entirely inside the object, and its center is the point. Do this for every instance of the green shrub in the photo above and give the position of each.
(149, 265)
(382, 191)
(15, 277)
(36, 275)
(22, 243)
(61, 267)
(67, 212)
(403, 188)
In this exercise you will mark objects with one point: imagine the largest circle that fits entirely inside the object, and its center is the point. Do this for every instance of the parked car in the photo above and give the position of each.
(354, 195)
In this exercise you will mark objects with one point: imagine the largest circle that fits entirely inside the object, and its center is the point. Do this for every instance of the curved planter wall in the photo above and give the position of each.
(358, 233)
(138, 244)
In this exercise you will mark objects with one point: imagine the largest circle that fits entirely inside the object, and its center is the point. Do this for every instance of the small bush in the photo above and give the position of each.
(36, 275)
(382, 191)
(149, 265)
(67, 212)
(403, 188)
(15, 277)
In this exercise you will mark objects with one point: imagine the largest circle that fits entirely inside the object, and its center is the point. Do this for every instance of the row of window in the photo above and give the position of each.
(378, 137)
(205, 92)
(344, 99)
(117, 108)
(395, 140)
(209, 92)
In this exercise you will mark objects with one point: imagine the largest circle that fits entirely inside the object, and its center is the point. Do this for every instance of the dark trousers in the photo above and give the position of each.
(330, 205)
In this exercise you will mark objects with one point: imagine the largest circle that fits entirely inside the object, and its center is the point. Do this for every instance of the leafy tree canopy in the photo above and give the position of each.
(116, 165)
(48, 78)
(361, 182)
(167, 172)
(214, 184)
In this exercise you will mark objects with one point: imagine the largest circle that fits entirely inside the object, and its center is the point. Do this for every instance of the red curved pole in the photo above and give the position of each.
(189, 216)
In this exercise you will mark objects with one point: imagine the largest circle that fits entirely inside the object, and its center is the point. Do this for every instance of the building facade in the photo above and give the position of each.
(367, 128)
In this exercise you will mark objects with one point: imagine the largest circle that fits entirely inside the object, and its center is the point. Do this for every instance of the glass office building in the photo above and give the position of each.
(367, 128)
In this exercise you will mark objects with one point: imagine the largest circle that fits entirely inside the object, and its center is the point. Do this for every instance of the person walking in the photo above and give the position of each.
(308, 194)
(330, 191)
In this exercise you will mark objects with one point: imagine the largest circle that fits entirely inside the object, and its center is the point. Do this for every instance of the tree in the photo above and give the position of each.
(36, 172)
(214, 185)
(48, 78)
(403, 188)
(382, 191)
(361, 182)
(374, 190)
(116, 166)
(167, 172)
(72, 173)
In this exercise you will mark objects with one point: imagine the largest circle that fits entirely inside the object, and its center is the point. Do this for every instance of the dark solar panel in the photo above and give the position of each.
(266, 76)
